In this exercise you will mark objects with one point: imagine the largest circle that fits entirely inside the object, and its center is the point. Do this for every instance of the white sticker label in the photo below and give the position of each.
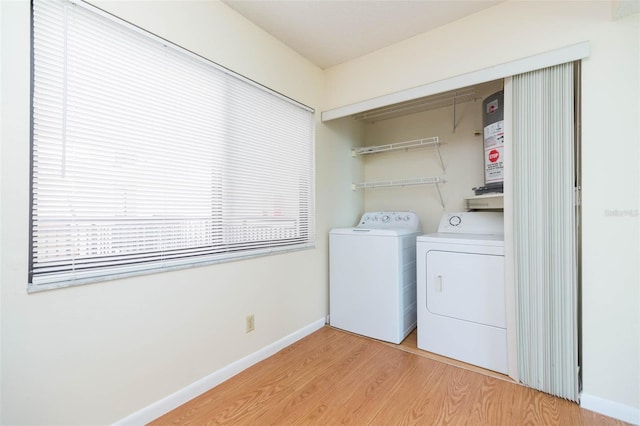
(494, 135)
(493, 152)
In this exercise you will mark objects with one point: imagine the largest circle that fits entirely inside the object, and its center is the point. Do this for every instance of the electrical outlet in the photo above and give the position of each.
(251, 323)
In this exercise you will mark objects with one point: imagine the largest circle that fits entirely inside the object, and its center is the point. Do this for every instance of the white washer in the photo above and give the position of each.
(372, 279)
(461, 301)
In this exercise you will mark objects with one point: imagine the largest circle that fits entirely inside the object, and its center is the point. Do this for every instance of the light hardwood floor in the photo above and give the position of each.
(410, 344)
(331, 377)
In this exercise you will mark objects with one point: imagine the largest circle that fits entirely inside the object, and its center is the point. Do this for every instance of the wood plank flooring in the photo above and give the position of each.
(331, 377)
(410, 344)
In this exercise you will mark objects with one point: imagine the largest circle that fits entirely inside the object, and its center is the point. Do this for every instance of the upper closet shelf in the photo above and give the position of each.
(440, 100)
(416, 143)
(434, 141)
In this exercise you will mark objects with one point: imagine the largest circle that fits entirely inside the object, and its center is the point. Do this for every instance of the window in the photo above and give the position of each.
(148, 157)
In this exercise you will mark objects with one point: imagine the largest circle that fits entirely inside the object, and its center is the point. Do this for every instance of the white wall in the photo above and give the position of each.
(97, 353)
(611, 257)
(340, 136)
(516, 29)
(500, 34)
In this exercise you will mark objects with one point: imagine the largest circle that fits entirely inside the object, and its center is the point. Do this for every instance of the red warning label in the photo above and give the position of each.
(493, 165)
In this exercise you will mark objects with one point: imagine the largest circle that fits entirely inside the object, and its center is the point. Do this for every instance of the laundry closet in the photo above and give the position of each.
(450, 160)
(426, 154)
(421, 161)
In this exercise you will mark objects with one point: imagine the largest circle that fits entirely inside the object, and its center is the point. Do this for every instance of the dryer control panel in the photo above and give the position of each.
(390, 220)
(487, 223)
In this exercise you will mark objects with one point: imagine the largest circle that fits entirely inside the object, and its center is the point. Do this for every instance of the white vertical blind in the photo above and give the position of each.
(146, 156)
(544, 230)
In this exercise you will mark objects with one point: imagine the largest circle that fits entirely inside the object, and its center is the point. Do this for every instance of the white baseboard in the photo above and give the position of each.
(178, 398)
(610, 408)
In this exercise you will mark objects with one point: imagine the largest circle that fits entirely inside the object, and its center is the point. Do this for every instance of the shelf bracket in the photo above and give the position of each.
(440, 194)
(444, 170)
(455, 94)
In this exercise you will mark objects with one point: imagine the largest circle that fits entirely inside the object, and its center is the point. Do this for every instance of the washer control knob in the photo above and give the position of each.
(386, 218)
(398, 218)
(455, 220)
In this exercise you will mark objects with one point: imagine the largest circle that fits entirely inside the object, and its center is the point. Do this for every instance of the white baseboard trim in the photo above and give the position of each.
(178, 398)
(610, 408)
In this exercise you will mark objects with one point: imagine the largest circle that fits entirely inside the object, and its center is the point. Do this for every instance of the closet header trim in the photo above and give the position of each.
(562, 55)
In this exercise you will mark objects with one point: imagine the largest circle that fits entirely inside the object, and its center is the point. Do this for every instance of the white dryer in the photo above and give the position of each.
(460, 290)
(372, 276)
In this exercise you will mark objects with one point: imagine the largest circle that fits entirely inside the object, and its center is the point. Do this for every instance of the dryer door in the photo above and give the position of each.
(466, 286)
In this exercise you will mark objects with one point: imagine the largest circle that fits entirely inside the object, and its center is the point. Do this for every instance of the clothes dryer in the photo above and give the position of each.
(460, 290)
(372, 278)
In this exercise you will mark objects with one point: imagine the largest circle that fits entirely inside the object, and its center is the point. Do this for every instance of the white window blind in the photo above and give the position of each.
(146, 156)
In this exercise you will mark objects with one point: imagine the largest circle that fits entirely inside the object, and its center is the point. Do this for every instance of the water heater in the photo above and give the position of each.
(493, 123)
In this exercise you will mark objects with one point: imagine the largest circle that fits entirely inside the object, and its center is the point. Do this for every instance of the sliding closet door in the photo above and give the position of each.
(544, 230)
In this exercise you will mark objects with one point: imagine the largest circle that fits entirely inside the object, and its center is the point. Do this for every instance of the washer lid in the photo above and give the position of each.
(363, 232)
(468, 239)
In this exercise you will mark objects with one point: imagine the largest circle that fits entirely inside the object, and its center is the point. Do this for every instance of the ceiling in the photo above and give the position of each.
(330, 32)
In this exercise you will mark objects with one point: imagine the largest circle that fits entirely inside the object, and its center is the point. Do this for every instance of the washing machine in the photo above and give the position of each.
(460, 290)
(372, 276)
